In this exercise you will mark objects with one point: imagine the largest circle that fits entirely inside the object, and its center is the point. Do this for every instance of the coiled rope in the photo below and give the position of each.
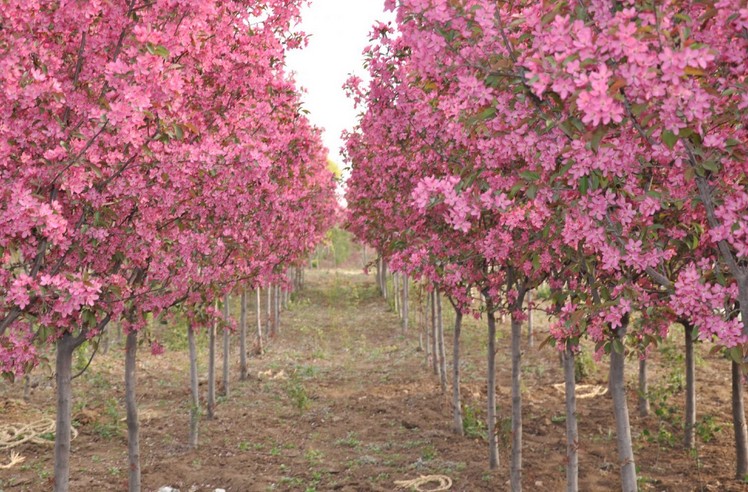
(443, 481)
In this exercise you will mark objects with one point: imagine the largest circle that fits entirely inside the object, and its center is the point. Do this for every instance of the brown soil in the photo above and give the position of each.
(341, 401)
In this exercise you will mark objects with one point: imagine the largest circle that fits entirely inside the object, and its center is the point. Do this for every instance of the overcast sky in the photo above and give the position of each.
(339, 32)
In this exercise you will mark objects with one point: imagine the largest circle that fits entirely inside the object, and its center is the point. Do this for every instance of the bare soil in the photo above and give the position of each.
(342, 400)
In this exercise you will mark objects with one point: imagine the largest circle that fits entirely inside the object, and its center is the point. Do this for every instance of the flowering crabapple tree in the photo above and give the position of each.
(137, 139)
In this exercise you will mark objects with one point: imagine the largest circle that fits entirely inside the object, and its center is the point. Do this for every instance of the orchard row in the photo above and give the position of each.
(154, 156)
(598, 148)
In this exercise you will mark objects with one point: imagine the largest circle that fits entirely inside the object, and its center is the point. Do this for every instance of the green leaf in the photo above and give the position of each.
(669, 138)
(530, 175)
(618, 346)
(584, 185)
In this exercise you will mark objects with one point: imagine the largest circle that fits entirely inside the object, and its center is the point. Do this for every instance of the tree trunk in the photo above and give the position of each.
(441, 344)
(690, 417)
(456, 400)
(26, 388)
(194, 391)
(516, 467)
(643, 403)
(738, 420)
(277, 313)
(396, 288)
(493, 445)
(434, 336)
(63, 373)
(133, 425)
(406, 302)
(243, 337)
(572, 433)
(427, 328)
(226, 345)
(621, 410)
(259, 319)
(364, 255)
(384, 280)
(212, 370)
(268, 311)
(530, 334)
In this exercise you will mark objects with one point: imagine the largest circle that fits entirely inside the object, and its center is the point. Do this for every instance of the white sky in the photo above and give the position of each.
(339, 32)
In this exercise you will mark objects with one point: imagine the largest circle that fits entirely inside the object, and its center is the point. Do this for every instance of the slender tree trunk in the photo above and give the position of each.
(259, 318)
(456, 400)
(385, 293)
(268, 309)
(441, 344)
(434, 336)
(623, 426)
(104, 342)
(530, 334)
(379, 275)
(133, 425)
(211, 370)
(643, 403)
(406, 302)
(277, 313)
(493, 445)
(364, 255)
(63, 373)
(26, 388)
(739, 425)
(396, 288)
(572, 433)
(243, 336)
(226, 346)
(427, 329)
(194, 390)
(516, 467)
(690, 417)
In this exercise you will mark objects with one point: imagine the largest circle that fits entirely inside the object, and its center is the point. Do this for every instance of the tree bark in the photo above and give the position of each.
(572, 432)
(194, 391)
(441, 344)
(243, 337)
(427, 328)
(64, 374)
(133, 425)
(384, 280)
(530, 334)
(457, 426)
(621, 411)
(396, 288)
(739, 425)
(516, 466)
(493, 445)
(259, 318)
(690, 417)
(277, 311)
(643, 403)
(268, 311)
(211, 403)
(226, 346)
(434, 336)
(406, 303)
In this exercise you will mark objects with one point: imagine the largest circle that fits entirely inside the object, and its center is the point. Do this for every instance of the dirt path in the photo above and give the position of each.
(342, 401)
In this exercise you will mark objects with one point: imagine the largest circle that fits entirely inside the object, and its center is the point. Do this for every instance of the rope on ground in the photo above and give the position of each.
(15, 459)
(583, 391)
(12, 435)
(443, 481)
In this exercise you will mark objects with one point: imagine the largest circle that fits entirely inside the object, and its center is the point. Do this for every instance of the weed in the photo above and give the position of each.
(296, 392)
(108, 426)
(349, 441)
(473, 426)
(428, 453)
(244, 446)
(707, 428)
(313, 456)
